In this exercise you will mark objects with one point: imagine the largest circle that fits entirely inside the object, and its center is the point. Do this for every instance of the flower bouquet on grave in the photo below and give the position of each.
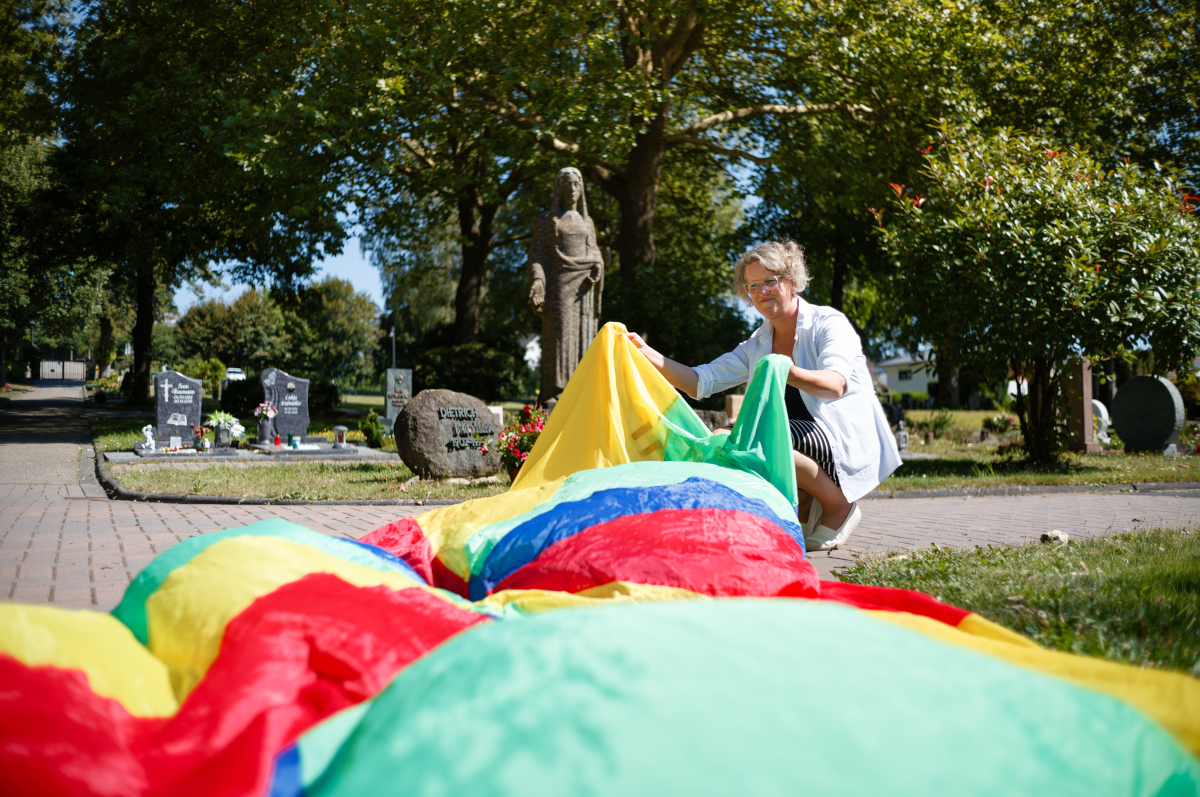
(198, 433)
(516, 441)
(265, 412)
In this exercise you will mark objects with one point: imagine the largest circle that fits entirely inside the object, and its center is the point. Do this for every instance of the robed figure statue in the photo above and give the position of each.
(566, 277)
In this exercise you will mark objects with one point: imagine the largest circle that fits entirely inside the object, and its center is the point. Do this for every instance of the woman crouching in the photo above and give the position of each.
(843, 445)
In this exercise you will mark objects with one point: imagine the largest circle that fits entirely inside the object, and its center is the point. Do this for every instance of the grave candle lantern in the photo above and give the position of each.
(339, 436)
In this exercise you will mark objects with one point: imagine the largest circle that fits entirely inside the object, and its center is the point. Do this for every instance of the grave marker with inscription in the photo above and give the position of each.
(290, 396)
(399, 391)
(177, 405)
(439, 434)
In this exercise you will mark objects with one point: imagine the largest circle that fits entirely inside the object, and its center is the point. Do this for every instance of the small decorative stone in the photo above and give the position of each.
(438, 436)
(1056, 536)
(1148, 415)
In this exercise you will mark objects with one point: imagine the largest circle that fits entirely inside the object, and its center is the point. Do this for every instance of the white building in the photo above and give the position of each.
(907, 374)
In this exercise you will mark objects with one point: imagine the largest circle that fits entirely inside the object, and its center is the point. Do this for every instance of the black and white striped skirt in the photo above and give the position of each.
(809, 440)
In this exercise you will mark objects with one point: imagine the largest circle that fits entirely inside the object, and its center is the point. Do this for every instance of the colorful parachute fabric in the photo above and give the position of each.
(626, 622)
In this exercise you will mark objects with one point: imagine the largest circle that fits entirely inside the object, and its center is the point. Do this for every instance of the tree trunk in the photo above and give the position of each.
(103, 370)
(837, 291)
(475, 222)
(1038, 412)
(635, 189)
(3, 358)
(143, 335)
(948, 385)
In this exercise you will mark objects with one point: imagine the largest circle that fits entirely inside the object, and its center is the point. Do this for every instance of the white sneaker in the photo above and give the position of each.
(826, 539)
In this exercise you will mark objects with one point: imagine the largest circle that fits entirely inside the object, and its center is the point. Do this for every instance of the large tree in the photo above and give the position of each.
(156, 94)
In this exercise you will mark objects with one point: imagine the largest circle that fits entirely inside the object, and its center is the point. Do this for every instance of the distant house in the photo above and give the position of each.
(907, 374)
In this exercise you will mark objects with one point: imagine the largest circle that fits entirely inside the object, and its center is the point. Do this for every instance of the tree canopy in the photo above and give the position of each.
(1011, 248)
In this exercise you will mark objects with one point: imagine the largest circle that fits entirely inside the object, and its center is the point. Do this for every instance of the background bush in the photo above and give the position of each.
(240, 398)
(472, 368)
(323, 397)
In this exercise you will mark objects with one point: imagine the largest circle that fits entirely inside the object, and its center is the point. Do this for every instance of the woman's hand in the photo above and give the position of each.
(650, 354)
(678, 374)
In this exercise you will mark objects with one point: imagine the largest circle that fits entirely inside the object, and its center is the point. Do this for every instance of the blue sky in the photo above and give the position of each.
(350, 265)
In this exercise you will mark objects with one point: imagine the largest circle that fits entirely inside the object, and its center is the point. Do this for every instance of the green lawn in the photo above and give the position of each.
(314, 481)
(1132, 598)
(960, 466)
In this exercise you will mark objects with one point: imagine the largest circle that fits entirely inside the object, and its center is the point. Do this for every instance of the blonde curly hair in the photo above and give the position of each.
(784, 257)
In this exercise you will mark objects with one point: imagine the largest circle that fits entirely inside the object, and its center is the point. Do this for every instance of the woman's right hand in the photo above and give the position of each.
(650, 354)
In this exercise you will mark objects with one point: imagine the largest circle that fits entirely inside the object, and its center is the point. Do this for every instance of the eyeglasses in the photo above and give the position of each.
(753, 288)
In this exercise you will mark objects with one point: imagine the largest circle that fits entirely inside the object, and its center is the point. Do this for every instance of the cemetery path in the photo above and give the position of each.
(63, 542)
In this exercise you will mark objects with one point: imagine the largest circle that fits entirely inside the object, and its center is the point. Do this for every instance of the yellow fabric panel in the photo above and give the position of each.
(977, 625)
(608, 414)
(448, 529)
(535, 601)
(99, 645)
(187, 615)
(1170, 699)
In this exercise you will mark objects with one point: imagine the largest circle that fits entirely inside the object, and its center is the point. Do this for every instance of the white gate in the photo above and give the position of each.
(64, 369)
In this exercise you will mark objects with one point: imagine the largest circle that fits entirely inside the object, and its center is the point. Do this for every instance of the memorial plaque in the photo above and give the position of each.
(399, 391)
(177, 405)
(290, 396)
(439, 435)
(1148, 415)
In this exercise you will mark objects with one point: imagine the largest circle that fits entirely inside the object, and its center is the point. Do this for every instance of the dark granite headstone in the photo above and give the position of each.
(436, 436)
(399, 391)
(290, 396)
(177, 403)
(1148, 415)
(973, 402)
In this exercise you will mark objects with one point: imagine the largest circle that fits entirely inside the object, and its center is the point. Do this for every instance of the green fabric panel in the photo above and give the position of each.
(132, 609)
(762, 697)
(584, 484)
(320, 743)
(760, 442)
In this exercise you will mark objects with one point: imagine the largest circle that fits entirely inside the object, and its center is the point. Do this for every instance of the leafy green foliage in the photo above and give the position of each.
(324, 397)
(472, 368)
(1011, 249)
(1131, 598)
(210, 370)
(372, 429)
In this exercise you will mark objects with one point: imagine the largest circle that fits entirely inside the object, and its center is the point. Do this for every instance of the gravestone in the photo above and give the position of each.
(177, 405)
(290, 396)
(436, 436)
(399, 391)
(1148, 415)
(973, 402)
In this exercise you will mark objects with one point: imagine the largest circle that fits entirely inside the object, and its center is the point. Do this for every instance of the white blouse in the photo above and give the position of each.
(864, 450)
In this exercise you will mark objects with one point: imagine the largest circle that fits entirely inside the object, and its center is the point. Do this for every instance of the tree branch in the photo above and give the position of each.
(674, 141)
(766, 110)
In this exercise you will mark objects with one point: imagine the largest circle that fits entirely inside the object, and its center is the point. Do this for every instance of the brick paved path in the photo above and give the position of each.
(68, 545)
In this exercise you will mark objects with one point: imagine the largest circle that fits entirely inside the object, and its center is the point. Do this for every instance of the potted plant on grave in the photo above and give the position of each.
(516, 441)
(227, 428)
(265, 412)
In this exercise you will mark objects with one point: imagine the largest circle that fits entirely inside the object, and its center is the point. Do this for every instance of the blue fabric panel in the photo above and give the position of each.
(285, 779)
(523, 544)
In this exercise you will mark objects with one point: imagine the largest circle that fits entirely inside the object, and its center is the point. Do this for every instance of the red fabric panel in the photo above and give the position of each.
(59, 737)
(890, 599)
(719, 552)
(404, 539)
(290, 659)
(310, 648)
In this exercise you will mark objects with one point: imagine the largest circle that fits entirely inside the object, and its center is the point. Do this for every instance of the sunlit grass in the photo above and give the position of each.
(1132, 598)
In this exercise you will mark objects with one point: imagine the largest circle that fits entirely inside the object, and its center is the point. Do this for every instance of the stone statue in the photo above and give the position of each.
(150, 433)
(566, 278)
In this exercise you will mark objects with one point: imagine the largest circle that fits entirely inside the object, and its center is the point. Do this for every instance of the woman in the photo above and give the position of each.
(843, 445)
